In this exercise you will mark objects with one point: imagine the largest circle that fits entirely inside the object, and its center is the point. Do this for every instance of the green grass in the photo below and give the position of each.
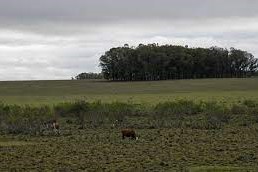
(156, 150)
(52, 92)
(10, 143)
(189, 146)
(221, 169)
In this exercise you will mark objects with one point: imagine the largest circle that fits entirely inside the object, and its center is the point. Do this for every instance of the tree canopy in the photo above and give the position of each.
(90, 75)
(154, 62)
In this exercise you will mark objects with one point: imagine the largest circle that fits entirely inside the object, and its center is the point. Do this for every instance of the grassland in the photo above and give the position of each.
(167, 149)
(157, 150)
(51, 92)
(213, 139)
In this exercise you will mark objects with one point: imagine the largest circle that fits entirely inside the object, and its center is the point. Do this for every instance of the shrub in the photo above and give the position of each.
(177, 108)
(177, 114)
(250, 103)
(25, 120)
(63, 109)
(216, 114)
(97, 113)
(239, 109)
(79, 109)
(110, 113)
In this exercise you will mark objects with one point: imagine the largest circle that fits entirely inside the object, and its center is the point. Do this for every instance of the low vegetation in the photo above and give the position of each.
(180, 114)
(175, 114)
(178, 135)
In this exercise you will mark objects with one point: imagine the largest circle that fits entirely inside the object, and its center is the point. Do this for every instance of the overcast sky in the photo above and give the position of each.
(57, 39)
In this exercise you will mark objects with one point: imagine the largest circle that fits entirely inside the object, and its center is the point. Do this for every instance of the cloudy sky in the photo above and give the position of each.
(57, 39)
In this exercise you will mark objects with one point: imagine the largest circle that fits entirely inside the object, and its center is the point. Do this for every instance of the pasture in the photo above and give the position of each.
(183, 125)
(156, 150)
(51, 92)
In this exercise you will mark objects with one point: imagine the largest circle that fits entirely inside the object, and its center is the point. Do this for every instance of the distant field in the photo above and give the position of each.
(51, 92)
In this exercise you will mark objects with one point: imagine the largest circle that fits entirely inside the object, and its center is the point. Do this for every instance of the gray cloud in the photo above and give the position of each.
(82, 10)
(46, 39)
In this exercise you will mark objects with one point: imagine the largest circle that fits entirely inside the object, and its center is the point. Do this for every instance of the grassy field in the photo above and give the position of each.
(50, 92)
(187, 144)
(173, 149)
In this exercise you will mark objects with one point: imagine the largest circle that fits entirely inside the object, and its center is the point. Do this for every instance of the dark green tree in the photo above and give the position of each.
(154, 62)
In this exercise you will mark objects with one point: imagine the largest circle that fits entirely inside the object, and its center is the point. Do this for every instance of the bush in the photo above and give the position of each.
(97, 113)
(216, 114)
(63, 109)
(250, 103)
(24, 120)
(111, 113)
(239, 109)
(177, 108)
(177, 114)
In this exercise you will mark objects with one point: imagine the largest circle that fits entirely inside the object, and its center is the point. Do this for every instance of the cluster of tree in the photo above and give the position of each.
(82, 76)
(154, 62)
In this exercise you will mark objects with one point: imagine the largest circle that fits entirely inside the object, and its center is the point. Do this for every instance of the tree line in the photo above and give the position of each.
(154, 62)
(90, 75)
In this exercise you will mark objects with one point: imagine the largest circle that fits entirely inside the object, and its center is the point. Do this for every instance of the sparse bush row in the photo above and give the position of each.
(182, 113)
(27, 120)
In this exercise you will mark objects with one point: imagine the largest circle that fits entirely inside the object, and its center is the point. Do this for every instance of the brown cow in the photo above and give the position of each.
(52, 124)
(129, 133)
(56, 127)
